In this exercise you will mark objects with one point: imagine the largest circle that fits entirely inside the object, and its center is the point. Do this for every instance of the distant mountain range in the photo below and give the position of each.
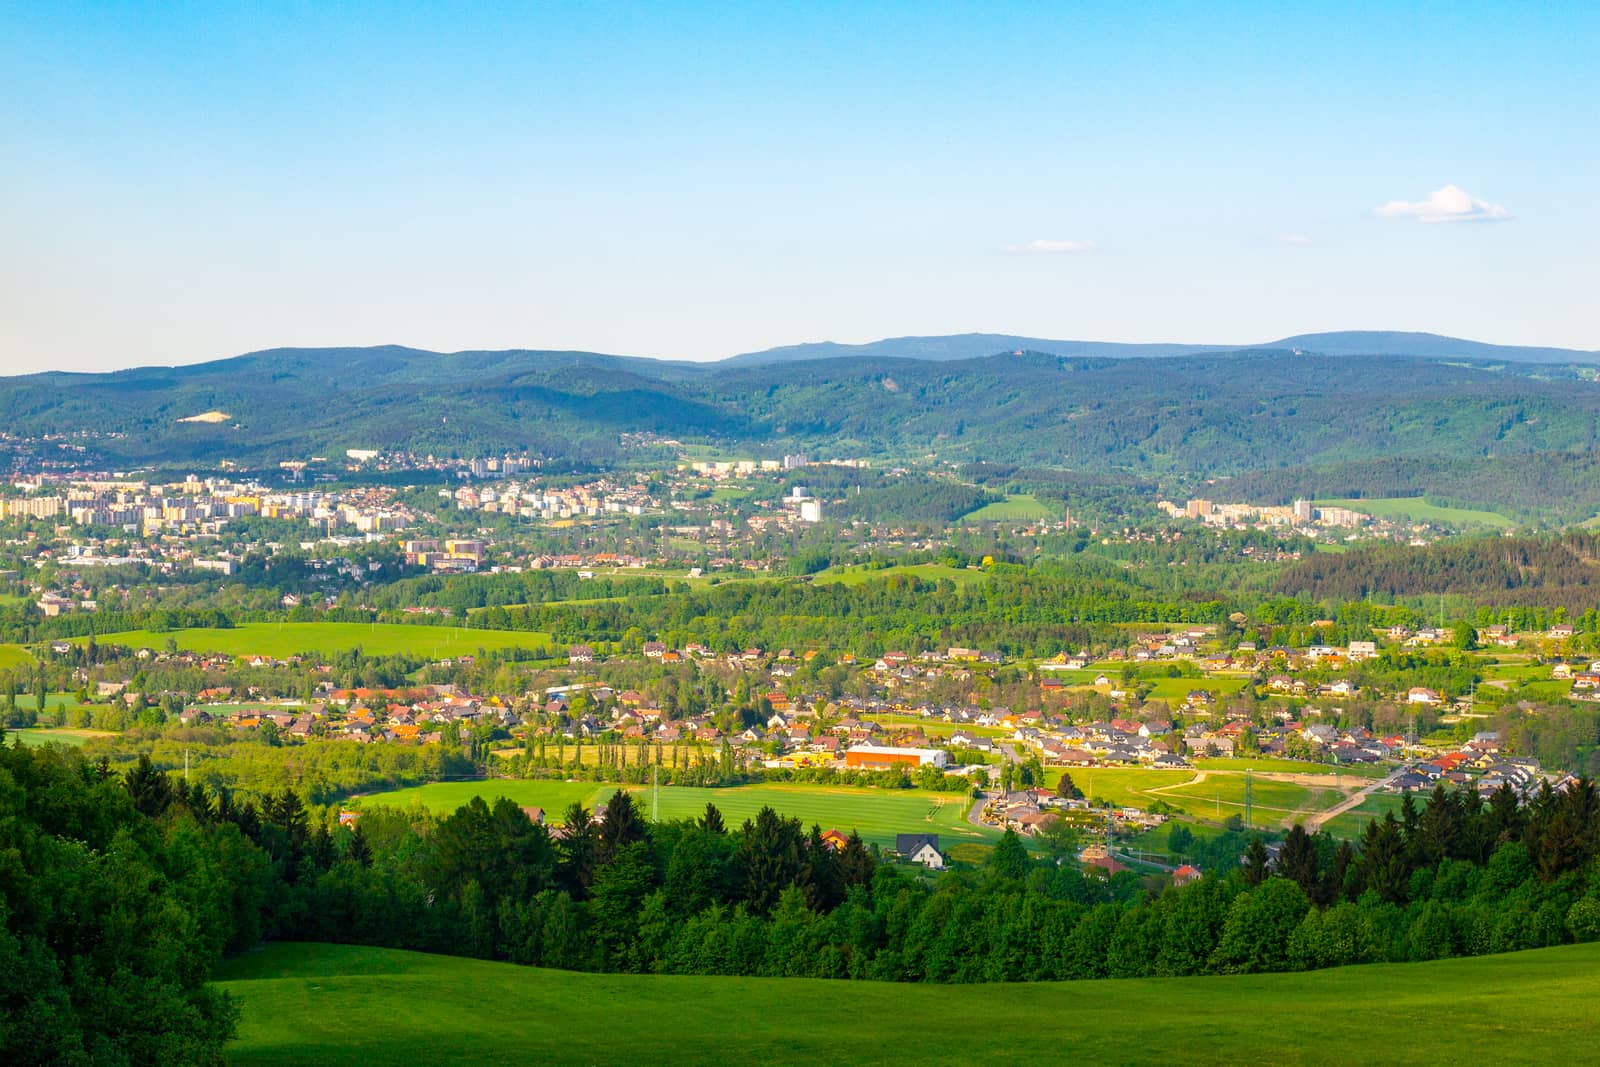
(1497, 426)
(1340, 343)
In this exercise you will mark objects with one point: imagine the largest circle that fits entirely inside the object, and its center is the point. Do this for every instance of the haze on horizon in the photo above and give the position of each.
(184, 185)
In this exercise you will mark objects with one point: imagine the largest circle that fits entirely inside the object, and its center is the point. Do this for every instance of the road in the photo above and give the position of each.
(1353, 801)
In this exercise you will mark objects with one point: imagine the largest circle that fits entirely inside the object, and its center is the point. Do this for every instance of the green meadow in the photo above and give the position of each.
(931, 572)
(1216, 795)
(46, 736)
(13, 656)
(877, 814)
(342, 1006)
(280, 639)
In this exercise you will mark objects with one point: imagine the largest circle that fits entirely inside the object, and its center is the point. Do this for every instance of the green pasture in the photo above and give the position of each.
(14, 656)
(877, 814)
(1180, 688)
(932, 572)
(347, 1006)
(281, 639)
(551, 795)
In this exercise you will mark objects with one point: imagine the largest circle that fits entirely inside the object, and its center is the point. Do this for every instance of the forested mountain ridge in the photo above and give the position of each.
(1280, 423)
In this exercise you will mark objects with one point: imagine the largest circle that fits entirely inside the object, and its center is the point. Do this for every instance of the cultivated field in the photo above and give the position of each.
(280, 639)
(1014, 508)
(344, 1006)
(877, 814)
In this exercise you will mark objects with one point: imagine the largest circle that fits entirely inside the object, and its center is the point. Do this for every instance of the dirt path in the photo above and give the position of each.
(1316, 821)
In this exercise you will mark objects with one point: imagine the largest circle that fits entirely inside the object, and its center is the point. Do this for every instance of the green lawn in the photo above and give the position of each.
(1014, 508)
(1417, 509)
(345, 1006)
(280, 639)
(878, 814)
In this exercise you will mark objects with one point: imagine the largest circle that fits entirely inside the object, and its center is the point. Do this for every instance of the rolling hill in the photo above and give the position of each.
(314, 1005)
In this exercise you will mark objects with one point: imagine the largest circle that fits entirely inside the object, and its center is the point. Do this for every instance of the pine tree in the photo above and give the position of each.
(1255, 862)
(711, 822)
(360, 850)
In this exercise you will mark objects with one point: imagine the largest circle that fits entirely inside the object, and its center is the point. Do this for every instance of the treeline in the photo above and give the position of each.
(1550, 488)
(1553, 571)
(122, 891)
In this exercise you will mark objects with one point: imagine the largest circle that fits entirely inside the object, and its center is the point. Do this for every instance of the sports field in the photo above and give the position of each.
(877, 814)
(280, 639)
(345, 1006)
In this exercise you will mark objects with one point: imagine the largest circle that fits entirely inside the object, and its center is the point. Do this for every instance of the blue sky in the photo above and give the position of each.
(188, 182)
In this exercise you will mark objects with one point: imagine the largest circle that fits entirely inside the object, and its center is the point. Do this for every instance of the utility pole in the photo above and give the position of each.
(185, 766)
(1249, 797)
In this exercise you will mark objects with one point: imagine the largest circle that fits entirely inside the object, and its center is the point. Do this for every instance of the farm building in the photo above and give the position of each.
(920, 848)
(884, 757)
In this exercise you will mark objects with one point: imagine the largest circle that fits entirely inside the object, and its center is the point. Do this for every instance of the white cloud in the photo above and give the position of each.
(1294, 239)
(1053, 246)
(1450, 204)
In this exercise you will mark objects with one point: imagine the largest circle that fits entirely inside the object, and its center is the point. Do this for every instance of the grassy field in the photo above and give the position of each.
(1179, 688)
(1014, 508)
(345, 1006)
(12, 656)
(1351, 823)
(932, 572)
(552, 796)
(1417, 509)
(878, 814)
(1129, 786)
(1221, 795)
(1216, 796)
(280, 639)
(40, 735)
(1287, 766)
